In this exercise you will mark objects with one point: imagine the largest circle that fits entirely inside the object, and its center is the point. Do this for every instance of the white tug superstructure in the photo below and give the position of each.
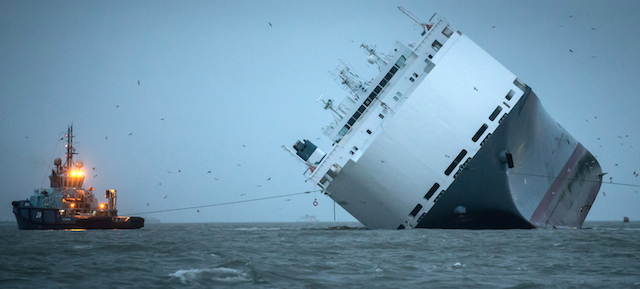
(447, 137)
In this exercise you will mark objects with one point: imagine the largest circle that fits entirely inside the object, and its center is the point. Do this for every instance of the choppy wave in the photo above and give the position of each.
(321, 255)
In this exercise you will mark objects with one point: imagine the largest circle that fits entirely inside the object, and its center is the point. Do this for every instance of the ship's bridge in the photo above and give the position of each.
(71, 176)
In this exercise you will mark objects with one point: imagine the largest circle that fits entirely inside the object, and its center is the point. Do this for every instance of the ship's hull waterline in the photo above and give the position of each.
(32, 218)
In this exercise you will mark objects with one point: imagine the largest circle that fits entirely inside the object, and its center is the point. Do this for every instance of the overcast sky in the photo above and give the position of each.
(224, 84)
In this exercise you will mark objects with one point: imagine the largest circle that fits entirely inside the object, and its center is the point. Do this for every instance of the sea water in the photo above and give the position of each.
(320, 255)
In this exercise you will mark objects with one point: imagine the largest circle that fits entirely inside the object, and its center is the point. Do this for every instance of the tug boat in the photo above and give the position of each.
(65, 205)
(447, 137)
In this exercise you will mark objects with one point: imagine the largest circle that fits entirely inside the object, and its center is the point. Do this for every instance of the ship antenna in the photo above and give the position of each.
(70, 149)
(373, 56)
(425, 26)
(328, 105)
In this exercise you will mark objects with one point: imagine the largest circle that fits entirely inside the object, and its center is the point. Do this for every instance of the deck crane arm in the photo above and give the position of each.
(425, 26)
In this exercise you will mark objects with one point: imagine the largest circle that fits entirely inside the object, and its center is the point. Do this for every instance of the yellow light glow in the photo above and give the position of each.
(76, 173)
(102, 206)
(73, 205)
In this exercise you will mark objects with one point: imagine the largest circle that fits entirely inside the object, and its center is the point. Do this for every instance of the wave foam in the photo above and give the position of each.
(221, 274)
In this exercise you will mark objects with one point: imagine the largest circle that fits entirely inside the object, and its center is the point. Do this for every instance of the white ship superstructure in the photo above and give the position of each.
(421, 131)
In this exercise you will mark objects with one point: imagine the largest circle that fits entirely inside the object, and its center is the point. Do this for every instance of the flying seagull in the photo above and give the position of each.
(208, 172)
(147, 204)
(131, 133)
(165, 196)
(138, 82)
(270, 24)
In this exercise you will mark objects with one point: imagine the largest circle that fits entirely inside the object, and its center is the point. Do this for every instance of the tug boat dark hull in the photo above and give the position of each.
(32, 218)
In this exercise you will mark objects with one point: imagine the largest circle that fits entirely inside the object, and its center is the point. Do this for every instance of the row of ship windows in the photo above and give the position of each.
(459, 158)
(373, 95)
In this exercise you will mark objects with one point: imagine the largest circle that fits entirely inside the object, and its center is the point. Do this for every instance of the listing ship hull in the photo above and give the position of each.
(553, 182)
(32, 218)
(447, 137)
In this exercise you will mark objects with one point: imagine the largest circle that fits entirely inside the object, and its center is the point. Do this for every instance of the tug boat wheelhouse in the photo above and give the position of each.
(447, 137)
(66, 205)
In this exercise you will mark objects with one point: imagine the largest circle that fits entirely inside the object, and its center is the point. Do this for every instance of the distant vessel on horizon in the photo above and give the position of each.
(625, 220)
(447, 137)
(66, 205)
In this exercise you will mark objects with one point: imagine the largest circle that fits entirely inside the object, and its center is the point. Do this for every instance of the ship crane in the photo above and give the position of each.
(425, 26)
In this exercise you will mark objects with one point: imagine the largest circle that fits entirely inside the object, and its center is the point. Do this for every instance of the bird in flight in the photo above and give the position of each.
(208, 172)
(147, 204)
(165, 196)
(131, 133)
(138, 82)
(270, 24)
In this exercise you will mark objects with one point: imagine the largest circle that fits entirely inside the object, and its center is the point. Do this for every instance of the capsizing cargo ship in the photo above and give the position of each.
(447, 137)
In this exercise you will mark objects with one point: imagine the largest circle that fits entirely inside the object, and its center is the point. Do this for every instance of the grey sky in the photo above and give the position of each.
(233, 89)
